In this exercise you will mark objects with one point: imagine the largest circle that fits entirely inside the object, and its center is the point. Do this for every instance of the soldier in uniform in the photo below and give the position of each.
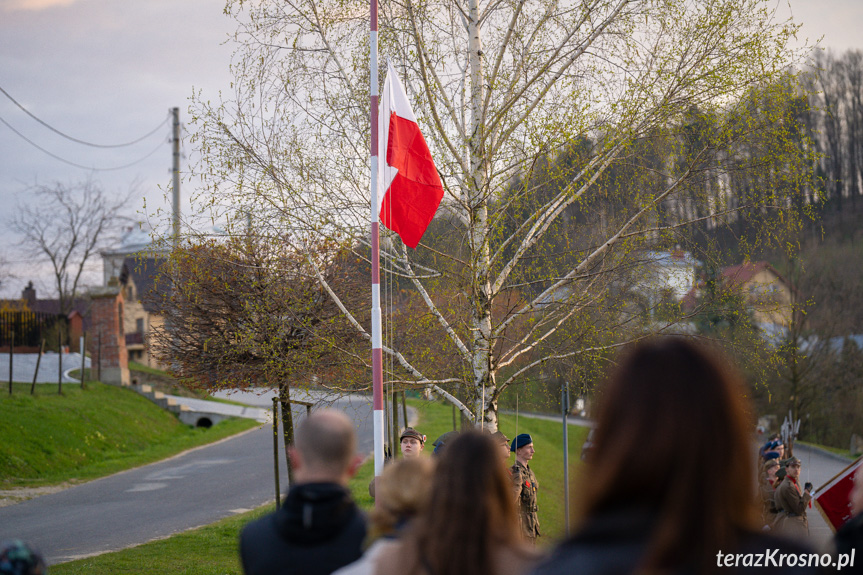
(768, 484)
(503, 441)
(791, 502)
(525, 486)
(412, 443)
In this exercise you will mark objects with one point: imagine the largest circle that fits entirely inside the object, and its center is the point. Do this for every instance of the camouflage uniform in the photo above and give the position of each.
(526, 486)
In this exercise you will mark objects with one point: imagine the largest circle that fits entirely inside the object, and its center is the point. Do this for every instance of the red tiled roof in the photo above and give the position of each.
(744, 272)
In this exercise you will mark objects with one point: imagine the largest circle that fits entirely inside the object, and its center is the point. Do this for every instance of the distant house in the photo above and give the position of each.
(667, 275)
(135, 266)
(766, 292)
(52, 305)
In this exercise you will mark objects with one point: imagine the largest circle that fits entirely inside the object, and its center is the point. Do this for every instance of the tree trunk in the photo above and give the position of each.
(287, 426)
(480, 296)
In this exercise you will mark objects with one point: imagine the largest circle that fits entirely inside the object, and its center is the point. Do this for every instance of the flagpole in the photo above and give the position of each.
(377, 353)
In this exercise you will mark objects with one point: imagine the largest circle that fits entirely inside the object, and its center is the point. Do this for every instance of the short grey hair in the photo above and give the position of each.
(326, 440)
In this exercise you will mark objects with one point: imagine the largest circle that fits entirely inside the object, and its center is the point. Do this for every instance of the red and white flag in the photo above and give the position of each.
(833, 499)
(409, 182)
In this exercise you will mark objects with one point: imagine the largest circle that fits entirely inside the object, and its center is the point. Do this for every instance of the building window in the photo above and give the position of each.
(139, 325)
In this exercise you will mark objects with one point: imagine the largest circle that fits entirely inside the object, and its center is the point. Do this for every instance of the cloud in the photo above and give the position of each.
(32, 5)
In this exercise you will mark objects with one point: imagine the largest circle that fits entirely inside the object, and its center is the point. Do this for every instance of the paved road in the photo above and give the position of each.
(192, 489)
(24, 366)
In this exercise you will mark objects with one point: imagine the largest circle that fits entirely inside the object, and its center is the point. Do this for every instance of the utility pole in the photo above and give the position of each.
(564, 404)
(175, 215)
(175, 112)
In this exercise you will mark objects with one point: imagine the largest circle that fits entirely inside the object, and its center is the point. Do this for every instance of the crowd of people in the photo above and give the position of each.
(666, 489)
(784, 502)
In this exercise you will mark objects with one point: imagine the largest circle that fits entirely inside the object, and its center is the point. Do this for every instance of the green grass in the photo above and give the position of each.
(76, 373)
(212, 549)
(359, 484)
(547, 463)
(435, 418)
(49, 438)
(837, 450)
(135, 366)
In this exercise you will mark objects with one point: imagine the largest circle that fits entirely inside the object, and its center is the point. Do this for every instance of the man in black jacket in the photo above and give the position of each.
(318, 528)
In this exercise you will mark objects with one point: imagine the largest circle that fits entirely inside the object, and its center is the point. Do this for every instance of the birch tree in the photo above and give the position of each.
(572, 139)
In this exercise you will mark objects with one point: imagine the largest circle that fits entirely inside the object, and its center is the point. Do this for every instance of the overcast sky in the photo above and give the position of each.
(108, 71)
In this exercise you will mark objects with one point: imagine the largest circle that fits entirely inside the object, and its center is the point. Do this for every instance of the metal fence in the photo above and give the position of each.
(28, 328)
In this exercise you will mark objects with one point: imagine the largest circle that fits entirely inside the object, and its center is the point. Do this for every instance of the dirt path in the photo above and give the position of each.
(13, 496)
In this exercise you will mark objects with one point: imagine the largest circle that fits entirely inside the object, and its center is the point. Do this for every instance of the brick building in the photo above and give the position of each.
(134, 267)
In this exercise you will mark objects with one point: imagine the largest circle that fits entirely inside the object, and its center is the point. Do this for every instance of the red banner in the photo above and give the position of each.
(833, 499)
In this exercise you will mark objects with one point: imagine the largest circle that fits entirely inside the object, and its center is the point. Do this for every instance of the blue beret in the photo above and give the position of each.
(441, 441)
(768, 455)
(520, 441)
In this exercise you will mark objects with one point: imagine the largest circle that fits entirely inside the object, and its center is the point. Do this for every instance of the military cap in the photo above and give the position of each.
(520, 441)
(793, 461)
(441, 441)
(499, 437)
(411, 432)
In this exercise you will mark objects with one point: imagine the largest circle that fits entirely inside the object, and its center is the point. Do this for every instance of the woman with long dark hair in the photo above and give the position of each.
(470, 525)
(669, 485)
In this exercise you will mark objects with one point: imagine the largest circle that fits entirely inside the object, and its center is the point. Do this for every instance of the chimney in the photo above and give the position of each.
(28, 294)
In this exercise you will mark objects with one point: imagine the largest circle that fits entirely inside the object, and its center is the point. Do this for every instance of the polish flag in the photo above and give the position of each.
(411, 187)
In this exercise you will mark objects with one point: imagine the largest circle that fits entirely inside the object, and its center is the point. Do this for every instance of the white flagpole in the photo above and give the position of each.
(377, 353)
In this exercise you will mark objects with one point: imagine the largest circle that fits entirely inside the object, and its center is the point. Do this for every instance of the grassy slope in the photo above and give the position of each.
(212, 550)
(83, 434)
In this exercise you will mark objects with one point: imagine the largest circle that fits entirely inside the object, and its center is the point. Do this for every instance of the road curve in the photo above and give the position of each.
(189, 490)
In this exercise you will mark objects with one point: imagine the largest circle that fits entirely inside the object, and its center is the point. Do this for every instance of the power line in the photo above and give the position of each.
(65, 161)
(68, 137)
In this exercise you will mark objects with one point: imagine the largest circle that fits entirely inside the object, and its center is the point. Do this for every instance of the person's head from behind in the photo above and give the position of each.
(401, 493)
(323, 449)
(672, 440)
(18, 558)
(470, 510)
(441, 442)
